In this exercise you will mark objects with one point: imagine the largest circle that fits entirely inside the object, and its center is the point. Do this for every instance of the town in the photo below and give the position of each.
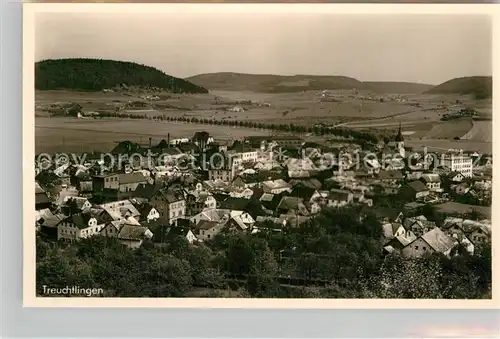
(199, 190)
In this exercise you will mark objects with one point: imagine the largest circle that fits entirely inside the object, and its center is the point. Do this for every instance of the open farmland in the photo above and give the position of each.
(450, 129)
(419, 115)
(458, 208)
(481, 131)
(73, 135)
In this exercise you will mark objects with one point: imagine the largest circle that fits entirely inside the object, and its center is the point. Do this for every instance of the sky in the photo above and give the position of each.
(405, 47)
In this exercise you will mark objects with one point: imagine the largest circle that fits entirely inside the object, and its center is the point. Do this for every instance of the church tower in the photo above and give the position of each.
(400, 142)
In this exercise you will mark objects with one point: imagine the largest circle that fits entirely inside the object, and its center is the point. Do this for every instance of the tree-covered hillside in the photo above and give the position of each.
(98, 74)
(479, 86)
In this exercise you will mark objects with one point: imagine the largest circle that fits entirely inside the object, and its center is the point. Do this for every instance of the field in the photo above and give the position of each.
(457, 208)
(418, 114)
(481, 131)
(73, 135)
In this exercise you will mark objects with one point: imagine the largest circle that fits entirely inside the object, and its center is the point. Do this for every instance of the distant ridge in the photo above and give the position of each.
(396, 87)
(269, 83)
(480, 86)
(98, 74)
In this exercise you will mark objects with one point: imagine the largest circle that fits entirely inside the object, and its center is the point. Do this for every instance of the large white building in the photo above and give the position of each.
(458, 162)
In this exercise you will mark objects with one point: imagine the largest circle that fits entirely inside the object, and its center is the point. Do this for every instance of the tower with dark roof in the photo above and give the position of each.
(400, 142)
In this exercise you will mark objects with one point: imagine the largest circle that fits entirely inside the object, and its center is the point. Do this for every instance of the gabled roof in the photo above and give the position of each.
(38, 188)
(431, 177)
(289, 203)
(257, 193)
(234, 203)
(206, 224)
(80, 220)
(418, 186)
(390, 175)
(48, 219)
(171, 195)
(305, 193)
(453, 174)
(338, 195)
(170, 232)
(41, 198)
(438, 240)
(131, 178)
(276, 184)
(147, 191)
(129, 232)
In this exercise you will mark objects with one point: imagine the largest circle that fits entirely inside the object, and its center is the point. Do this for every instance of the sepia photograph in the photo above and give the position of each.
(199, 154)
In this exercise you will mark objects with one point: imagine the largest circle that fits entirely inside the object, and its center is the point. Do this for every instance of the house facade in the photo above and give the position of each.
(78, 226)
(170, 204)
(458, 163)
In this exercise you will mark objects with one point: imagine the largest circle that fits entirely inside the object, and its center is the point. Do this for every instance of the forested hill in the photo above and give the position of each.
(98, 74)
(270, 83)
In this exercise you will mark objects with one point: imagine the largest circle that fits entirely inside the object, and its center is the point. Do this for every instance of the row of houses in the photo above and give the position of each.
(416, 236)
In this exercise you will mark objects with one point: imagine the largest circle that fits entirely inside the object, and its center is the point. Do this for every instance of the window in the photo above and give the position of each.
(416, 247)
(423, 248)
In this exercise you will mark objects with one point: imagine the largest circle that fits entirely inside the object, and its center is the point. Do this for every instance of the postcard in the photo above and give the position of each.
(258, 155)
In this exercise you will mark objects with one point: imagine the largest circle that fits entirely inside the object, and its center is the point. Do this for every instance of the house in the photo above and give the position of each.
(48, 222)
(121, 209)
(244, 152)
(133, 236)
(171, 156)
(455, 177)
(433, 241)
(237, 221)
(221, 168)
(276, 186)
(418, 225)
(207, 229)
(390, 177)
(78, 226)
(285, 141)
(415, 190)
(170, 204)
(394, 230)
(398, 243)
(480, 235)
(199, 199)
(163, 234)
(306, 194)
(270, 201)
(432, 181)
(128, 182)
(147, 212)
(292, 205)
(74, 205)
(106, 181)
(458, 162)
(146, 191)
(85, 187)
(42, 201)
(338, 198)
(309, 183)
(209, 214)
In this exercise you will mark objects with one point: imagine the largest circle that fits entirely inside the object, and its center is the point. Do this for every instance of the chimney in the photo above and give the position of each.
(149, 143)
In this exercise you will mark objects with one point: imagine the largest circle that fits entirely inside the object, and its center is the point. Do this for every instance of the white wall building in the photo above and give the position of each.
(458, 163)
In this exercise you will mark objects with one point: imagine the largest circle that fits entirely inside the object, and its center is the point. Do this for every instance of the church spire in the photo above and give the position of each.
(399, 136)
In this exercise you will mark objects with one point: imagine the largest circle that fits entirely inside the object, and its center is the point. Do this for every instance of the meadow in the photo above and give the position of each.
(61, 134)
(419, 116)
